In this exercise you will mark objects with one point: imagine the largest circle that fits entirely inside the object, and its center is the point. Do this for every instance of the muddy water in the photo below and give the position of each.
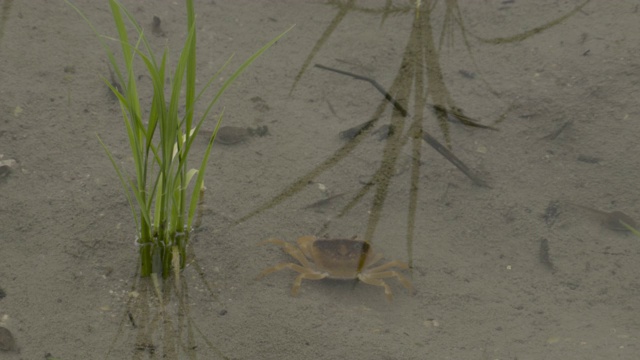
(67, 249)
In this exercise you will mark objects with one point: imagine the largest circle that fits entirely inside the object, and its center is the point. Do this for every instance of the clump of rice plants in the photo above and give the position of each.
(163, 192)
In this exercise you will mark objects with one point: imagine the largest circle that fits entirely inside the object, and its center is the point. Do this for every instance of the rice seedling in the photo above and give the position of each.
(163, 193)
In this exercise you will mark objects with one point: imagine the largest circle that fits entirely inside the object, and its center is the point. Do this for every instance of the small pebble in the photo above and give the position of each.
(6, 166)
(229, 135)
(7, 343)
(156, 29)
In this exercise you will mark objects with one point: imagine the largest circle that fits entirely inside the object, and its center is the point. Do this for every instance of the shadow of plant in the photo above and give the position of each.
(419, 76)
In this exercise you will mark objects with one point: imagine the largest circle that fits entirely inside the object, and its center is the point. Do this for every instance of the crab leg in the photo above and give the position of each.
(304, 274)
(311, 275)
(289, 249)
(395, 263)
(378, 282)
(390, 274)
(280, 266)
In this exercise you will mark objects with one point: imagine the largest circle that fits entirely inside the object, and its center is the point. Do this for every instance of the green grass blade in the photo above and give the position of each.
(158, 199)
(190, 97)
(107, 49)
(241, 69)
(195, 195)
(633, 230)
(229, 81)
(190, 175)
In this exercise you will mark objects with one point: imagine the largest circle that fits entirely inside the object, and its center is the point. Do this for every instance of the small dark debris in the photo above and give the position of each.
(467, 74)
(544, 256)
(146, 347)
(555, 133)
(131, 320)
(259, 131)
(551, 213)
(156, 29)
(4, 170)
(222, 312)
(259, 104)
(3, 294)
(588, 159)
(571, 285)
(366, 180)
(70, 69)
(229, 135)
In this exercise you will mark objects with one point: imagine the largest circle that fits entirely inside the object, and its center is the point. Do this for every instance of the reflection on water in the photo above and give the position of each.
(419, 77)
(161, 316)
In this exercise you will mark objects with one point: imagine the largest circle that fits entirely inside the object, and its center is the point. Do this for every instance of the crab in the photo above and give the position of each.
(342, 259)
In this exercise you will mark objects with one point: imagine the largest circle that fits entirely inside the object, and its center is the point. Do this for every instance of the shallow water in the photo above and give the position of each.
(500, 271)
